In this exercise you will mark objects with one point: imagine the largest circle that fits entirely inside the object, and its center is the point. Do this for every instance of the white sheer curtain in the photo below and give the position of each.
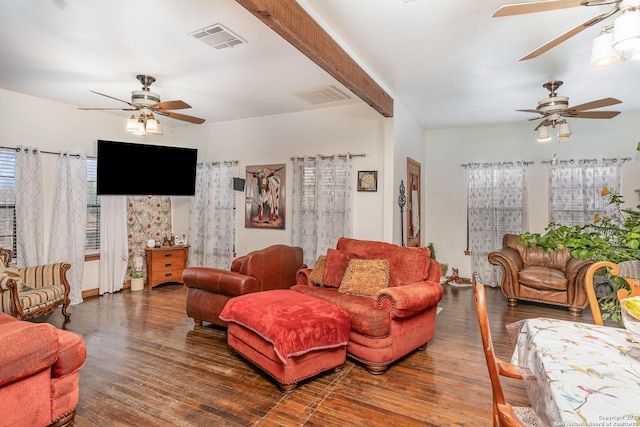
(322, 203)
(114, 246)
(212, 219)
(576, 188)
(29, 210)
(69, 226)
(495, 207)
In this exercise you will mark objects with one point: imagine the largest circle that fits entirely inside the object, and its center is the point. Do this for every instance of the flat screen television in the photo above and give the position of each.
(130, 169)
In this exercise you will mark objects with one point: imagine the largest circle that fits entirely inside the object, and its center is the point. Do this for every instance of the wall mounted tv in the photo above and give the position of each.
(130, 169)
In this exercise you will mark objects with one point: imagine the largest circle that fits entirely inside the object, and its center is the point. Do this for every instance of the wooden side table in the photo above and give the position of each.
(166, 264)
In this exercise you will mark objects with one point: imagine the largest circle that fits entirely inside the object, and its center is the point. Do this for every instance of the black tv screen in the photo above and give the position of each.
(130, 169)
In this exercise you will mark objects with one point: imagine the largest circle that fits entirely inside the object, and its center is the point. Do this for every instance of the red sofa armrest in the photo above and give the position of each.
(409, 300)
(219, 281)
(72, 354)
(25, 349)
(302, 277)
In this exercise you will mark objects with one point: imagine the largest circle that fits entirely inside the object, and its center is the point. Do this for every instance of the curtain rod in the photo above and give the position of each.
(351, 155)
(587, 161)
(487, 164)
(47, 152)
(225, 162)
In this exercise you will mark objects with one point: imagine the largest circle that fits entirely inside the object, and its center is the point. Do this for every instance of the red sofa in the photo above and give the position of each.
(39, 372)
(393, 321)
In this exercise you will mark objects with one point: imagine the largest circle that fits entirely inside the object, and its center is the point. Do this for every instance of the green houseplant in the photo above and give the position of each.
(432, 254)
(614, 238)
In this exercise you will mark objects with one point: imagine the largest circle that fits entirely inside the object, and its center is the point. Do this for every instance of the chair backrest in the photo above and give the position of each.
(503, 414)
(629, 270)
(533, 256)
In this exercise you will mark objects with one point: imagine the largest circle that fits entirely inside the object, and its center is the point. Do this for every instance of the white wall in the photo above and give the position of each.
(445, 189)
(275, 139)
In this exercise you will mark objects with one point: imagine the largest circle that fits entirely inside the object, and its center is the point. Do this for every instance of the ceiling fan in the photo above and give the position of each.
(553, 109)
(546, 5)
(148, 102)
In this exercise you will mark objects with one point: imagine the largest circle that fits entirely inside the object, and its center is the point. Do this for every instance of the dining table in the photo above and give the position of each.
(579, 374)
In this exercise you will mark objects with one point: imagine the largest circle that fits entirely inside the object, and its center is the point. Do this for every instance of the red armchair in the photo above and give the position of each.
(393, 321)
(209, 289)
(39, 372)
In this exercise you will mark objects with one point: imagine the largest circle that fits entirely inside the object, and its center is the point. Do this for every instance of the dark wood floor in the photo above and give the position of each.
(148, 365)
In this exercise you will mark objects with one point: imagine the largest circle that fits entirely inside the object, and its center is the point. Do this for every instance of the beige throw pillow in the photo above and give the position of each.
(14, 273)
(365, 277)
(317, 274)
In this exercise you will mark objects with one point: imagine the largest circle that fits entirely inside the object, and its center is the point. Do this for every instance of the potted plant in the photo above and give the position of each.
(432, 254)
(137, 281)
(614, 238)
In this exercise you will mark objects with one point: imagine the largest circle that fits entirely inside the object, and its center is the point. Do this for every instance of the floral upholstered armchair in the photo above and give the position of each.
(30, 292)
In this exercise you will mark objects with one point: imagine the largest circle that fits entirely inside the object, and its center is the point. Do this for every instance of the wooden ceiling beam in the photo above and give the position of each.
(293, 23)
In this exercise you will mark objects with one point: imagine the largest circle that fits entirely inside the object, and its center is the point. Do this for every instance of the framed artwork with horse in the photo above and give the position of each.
(264, 197)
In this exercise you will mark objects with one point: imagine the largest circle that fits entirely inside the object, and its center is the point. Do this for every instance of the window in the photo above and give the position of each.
(92, 245)
(575, 192)
(7, 200)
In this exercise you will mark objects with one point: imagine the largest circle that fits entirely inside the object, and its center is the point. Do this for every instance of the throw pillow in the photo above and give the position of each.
(365, 277)
(335, 266)
(14, 273)
(317, 274)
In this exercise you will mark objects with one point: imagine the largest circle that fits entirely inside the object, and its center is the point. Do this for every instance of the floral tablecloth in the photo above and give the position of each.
(579, 374)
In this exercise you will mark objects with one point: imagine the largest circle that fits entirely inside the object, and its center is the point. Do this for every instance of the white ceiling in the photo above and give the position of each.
(448, 61)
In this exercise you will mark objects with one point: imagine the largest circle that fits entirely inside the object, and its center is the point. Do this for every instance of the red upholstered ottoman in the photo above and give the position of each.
(289, 335)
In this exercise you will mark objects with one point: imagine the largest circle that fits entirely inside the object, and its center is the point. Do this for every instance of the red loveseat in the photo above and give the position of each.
(39, 375)
(392, 321)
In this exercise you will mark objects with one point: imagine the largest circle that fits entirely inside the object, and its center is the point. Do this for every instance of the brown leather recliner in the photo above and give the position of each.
(209, 289)
(541, 276)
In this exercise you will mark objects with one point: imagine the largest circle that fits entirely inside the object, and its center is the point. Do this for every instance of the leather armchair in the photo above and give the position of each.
(209, 289)
(39, 373)
(29, 292)
(541, 276)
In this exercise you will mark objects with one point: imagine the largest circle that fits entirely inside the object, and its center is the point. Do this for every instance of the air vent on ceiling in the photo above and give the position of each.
(322, 95)
(218, 36)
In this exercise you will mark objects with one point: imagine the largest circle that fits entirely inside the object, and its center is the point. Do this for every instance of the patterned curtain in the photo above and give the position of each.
(29, 210)
(495, 207)
(322, 203)
(575, 194)
(212, 219)
(148, 217)
(69, 226)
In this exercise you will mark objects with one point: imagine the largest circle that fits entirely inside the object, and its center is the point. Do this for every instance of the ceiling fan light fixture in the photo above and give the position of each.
(151, 125)
(564, 131)
(602, 52)
(132, 124)
(626, 30)
(543, 134)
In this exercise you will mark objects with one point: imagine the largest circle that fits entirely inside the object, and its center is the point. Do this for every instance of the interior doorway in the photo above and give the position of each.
(413, 203)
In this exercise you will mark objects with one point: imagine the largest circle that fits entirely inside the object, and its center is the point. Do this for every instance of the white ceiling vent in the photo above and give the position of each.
(322, 95)
(218, 36)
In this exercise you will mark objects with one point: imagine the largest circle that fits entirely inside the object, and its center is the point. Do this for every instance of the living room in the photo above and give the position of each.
(350, 128)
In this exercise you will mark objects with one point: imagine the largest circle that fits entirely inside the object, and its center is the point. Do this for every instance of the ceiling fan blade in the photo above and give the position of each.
(101, 109)
(565, 36)
(604, 102)
(182, 117)
(117, 99)
(592, 114)
(529, 111)
(171, 105)
(536, 6)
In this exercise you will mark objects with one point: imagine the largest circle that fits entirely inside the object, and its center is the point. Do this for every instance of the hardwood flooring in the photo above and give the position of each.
(149, 365)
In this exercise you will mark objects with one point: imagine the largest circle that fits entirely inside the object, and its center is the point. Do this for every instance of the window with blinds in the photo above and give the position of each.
(92, 245)
(7, 200)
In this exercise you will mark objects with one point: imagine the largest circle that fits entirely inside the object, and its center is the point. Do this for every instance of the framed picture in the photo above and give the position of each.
(264, 197)
(367, 180)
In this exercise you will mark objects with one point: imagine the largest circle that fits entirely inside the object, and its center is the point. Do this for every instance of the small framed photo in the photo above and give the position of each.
(367, 180)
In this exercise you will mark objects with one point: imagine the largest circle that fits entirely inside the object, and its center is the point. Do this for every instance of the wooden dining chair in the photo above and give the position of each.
(629, 270)
(504, 415)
